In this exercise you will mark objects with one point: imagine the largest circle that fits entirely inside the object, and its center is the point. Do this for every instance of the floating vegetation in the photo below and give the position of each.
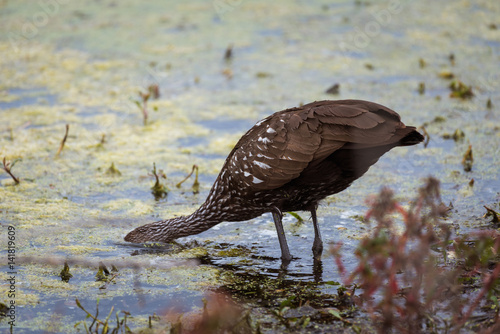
(359, 218)
(427, 137)
(113, 171)
(297, 305)
(495, 216)
(456, 136)
(460, 90)
(263, 75)
(158, 190)
(103, 326)
(228, 55)
(369, 66)
(101, 143)
(446, 75)
(228, 73)
(468, 159)
(102, 273)
(65, 274)
(7, 167)
(295, 215)
(421, 88)
(63, 141)
(402, 274)
(196, 185)
(334, 90)
(451, 58)
(489, 104)
(439, 119)
(422, 63)
(4, 309)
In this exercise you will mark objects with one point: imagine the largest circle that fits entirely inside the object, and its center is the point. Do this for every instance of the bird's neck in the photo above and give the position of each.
(197, 222)
(216, 209)
(200, 220)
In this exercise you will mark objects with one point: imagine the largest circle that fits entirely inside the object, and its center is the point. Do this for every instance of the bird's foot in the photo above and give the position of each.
(317, 249)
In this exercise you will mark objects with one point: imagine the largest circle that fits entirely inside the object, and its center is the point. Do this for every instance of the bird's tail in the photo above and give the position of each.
(412, 137)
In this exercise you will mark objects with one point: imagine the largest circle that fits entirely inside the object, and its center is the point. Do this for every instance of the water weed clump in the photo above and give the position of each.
(417, 280)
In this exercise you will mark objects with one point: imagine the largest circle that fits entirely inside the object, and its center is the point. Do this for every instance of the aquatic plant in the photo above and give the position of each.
(334, 89)
(468, 159)
(65, 274)
(196, 183)
(460, 90)
(412, 281)
(7, 167)
(158, 190)
(458, 135)
(153, 91)
(228, 55)
(63, 141)
(495, 216)
(113, 171)
(103, 326)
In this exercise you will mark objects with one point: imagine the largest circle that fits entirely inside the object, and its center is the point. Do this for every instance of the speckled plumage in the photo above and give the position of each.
(289, 161)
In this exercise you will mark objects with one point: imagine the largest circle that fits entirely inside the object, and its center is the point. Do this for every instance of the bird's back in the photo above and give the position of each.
(300, 155)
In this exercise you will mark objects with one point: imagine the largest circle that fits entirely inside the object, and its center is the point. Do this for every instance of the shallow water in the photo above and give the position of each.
(83, 64)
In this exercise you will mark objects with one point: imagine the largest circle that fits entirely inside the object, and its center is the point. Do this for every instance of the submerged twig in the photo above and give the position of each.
(7, 166)
(63, 141)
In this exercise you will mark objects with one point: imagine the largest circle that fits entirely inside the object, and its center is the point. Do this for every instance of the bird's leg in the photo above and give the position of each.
(285, 252)
(318, 243)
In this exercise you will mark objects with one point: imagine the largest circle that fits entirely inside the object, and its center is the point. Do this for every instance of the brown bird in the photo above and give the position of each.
(290, 161)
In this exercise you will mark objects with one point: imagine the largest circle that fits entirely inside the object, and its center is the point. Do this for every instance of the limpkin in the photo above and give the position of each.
(290, 161)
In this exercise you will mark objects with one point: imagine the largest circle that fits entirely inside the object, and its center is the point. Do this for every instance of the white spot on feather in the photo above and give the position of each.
(256, 180)
(261, 164)
(271, 130)
(264, 140)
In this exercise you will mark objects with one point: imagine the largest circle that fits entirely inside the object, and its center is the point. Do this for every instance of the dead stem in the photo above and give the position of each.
(490, 212)
(144, 108)
(159, 190)
(426, 136)
(468, 159)
(154, 92)
(196, 184)
(63, 141)
(7, 166)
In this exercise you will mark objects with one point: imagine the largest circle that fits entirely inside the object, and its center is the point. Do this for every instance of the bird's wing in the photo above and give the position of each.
(277, 149)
